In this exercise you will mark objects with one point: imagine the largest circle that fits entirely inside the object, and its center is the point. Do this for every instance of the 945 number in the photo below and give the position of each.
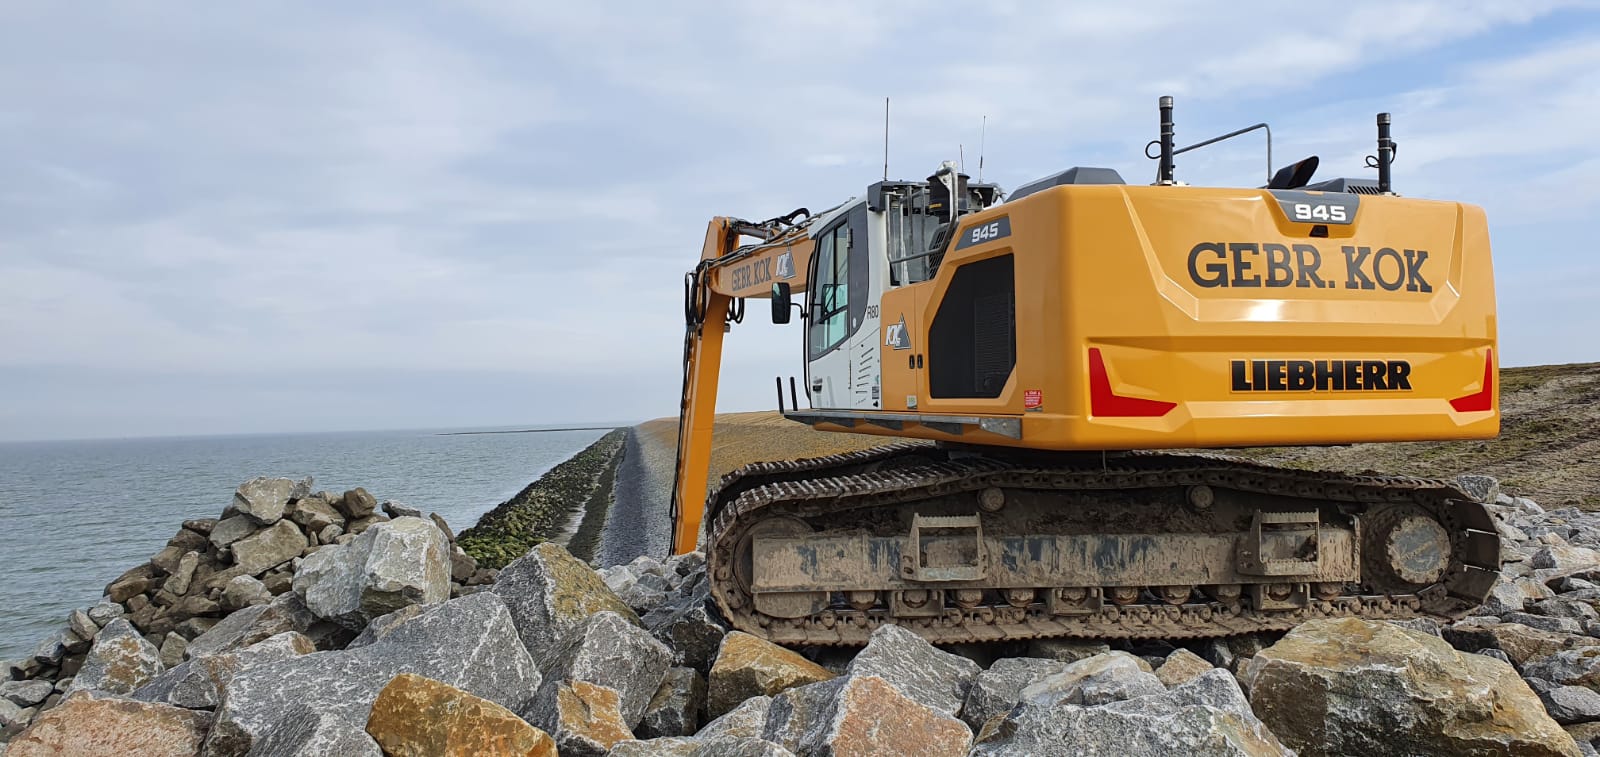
(1305, 211)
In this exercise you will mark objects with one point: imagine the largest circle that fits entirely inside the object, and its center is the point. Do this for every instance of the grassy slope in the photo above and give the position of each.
(1548, 449)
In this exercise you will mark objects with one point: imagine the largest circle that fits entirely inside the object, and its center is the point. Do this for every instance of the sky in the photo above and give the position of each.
(303, 216)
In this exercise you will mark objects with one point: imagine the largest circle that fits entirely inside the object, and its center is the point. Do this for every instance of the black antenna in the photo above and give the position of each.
(1164, 169)
(1386, 148)
(982, 132)
(885, 139)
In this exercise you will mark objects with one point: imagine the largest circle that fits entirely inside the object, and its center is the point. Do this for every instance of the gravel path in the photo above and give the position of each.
(638, 523)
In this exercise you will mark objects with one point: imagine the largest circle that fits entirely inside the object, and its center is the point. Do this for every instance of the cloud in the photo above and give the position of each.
(306, 216)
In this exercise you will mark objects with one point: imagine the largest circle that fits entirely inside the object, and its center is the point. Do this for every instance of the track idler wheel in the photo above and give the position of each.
(796, 604)
(1404, 549)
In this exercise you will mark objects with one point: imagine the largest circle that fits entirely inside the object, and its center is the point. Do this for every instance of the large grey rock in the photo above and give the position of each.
(1351, 686)
(119, 662)
(862, 714)
(996, 690)
(308, 732)
(393, 564)
(268, 548)
(79, 623)
(1565, 558)
(748, 719)
(1572, 667)
(1484, 489)
(691, 629)
(105, 612)
(12, 719)
(231, 529)
(674, 710)
(1571, 704)
(172, 648)
(26, 693)
(1562, 607)
(1512, 594)
(178, 583)
(252, 624)
(909, 663)
(244, 591)
(49, 651)
(1206, 717)
(202, 683)
(469, 643)
(607, 650)
(396, 509)
(263, 499)
(550, 593)
(1110, 677)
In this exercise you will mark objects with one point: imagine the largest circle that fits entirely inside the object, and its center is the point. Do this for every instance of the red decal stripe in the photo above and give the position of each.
(1104, 402)
(1483, 399)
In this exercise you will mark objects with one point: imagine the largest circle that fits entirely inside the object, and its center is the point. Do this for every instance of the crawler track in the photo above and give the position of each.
(848, 492)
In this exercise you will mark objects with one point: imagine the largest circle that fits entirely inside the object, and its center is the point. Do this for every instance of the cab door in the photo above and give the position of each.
(841, 340)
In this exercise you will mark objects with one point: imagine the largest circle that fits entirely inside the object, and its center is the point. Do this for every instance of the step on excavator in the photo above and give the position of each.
(1044, 356)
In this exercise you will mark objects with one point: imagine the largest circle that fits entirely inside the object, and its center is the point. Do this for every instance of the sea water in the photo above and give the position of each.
(76, 514)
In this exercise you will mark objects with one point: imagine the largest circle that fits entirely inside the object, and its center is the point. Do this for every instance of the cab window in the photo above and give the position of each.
(830, 303)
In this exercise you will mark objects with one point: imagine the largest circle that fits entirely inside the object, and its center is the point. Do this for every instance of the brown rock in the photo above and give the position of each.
(166, 560)
(273, 546)
(189, 540)
(747, 667)
(315, 513)
(1519, 642)
(1181, 667)
(357, 503)
(587, 720)
(85, 725)
(200, 526)
(357, 525)
(1351, 686)
(130, 584)
(438, 520)
(120, 661)
(182, 575)
(871, 717)
(421, 717)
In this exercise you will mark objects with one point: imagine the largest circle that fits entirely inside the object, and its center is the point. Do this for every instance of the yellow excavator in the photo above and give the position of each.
(1038, 351)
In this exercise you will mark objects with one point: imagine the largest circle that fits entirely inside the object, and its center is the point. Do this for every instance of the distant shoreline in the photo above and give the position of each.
(530, 430)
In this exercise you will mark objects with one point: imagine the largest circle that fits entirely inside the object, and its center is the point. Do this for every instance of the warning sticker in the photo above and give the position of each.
(1032, 399)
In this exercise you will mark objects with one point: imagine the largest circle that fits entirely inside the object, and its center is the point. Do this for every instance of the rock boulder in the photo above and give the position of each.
(1206, 717)
(393, 564)
(550, 593)
(267, 548)
(418, 717)
(748, 667)
(607, 650)
(85, 724)
(263, 499)
(469, 643)
(909, 663)
(1350, 686)
(120, 661)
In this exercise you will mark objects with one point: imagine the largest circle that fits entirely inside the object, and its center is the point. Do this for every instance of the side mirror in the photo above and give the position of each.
(781, 302)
